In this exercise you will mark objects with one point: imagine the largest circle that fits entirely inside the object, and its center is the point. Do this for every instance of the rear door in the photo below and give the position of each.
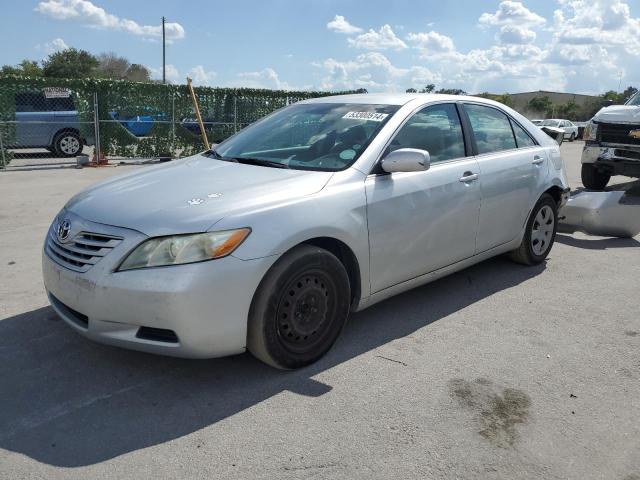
(513, 169)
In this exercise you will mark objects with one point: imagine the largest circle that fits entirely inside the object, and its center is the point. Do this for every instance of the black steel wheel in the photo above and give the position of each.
(299, 308)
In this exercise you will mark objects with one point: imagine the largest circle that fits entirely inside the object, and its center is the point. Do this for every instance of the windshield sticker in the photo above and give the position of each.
(347, 154)
(371, 116)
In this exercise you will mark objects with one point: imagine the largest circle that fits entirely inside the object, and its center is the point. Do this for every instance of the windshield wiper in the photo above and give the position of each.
(259, 161)
(217, 156)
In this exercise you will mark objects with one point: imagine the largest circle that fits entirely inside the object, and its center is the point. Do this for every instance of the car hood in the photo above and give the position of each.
(619, 114)
(190, 195)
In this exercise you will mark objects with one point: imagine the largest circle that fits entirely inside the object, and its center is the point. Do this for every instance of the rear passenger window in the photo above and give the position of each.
(522, 137)
(491, 128)
(435, 129)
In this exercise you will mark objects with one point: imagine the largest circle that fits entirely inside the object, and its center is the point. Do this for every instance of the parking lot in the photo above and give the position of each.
(499, 371)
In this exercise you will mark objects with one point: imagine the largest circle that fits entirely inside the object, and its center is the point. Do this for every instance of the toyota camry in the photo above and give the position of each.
(270, 240)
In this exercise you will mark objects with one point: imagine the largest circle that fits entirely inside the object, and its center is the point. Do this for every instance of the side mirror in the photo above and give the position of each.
(406, 160)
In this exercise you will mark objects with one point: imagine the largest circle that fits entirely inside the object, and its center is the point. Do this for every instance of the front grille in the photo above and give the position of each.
(626, 154)
(618, 133)
(157, 334)
(82, 251)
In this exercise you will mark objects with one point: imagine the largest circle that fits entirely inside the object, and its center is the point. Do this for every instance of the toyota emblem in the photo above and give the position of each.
(64, 228)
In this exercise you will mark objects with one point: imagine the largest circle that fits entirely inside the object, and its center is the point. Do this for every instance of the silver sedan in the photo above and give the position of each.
(323, 208)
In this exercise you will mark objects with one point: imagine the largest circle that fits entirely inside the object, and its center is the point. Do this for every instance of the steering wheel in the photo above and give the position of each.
(319, 148)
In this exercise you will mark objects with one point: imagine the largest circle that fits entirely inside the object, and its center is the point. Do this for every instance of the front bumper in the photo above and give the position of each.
(205, 304)
(614, 159)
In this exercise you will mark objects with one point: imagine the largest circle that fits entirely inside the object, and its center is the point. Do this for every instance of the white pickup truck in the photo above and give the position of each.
(612, 144)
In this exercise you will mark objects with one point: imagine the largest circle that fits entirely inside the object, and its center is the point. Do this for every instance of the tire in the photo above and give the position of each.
(572, 137)
(299, 309)
(540, 233)
(67, 144)
(592, 178)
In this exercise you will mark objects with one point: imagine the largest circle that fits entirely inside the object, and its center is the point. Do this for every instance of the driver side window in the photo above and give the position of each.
(436, 129)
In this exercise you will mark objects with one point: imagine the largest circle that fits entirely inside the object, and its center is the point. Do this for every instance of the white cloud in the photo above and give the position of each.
(172, 74)
(265, 78)
(601, 22)
(380, 40)
(510, 12)
(372, 70)
(514, 34)
(200, 76)
(340, 24)
(55, 45)
(86, 13)
(431, 42)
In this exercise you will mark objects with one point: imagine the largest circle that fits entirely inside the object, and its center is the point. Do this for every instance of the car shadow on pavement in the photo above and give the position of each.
(597, 243)
(69, 402)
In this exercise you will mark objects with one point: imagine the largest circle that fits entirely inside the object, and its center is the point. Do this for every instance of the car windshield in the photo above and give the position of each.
(312, 136)
(551, 123)
(635, 100)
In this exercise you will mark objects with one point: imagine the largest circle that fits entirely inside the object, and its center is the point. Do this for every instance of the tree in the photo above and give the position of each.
(452, 91)
(428, 88)
(26, 68)
(70, 63)
(112, 66)
(569, 110)
(629, 92)
(138, 73)
(411, 90)
(540, 104)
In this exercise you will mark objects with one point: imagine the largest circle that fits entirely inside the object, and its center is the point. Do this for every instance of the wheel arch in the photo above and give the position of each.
(62, 130)
(344, 254)
(555, 191)
(347, 257)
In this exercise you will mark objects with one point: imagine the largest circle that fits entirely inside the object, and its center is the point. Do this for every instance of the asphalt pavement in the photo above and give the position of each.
(498, 371)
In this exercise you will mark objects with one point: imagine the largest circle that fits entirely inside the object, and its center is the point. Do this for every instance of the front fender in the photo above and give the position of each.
(338, 211)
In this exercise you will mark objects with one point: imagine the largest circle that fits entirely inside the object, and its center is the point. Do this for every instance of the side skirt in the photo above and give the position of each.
(436, 274)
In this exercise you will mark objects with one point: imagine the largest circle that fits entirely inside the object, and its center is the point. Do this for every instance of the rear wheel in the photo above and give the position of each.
(592, 178)
(67, 144)
(540, 232)
(299, 308)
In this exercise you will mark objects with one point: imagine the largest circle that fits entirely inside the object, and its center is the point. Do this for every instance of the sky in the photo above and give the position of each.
(580, 46)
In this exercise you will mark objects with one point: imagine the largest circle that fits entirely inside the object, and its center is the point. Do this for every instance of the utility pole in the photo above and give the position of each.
(164, 75)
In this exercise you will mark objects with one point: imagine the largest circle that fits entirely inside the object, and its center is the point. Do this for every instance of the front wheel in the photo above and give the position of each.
(592, 178)
(540, 232)
(572, 137)
(299, 308)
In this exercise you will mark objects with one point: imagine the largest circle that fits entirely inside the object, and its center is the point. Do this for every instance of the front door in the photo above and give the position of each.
(422, 221)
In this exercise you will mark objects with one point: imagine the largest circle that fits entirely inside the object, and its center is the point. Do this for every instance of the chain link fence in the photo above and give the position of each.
(42, 118)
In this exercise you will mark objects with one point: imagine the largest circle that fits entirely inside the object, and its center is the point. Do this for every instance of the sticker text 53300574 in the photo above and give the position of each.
(372, 116)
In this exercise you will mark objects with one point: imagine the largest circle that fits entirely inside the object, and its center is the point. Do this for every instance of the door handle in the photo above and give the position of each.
(468, 177)
(537, 160)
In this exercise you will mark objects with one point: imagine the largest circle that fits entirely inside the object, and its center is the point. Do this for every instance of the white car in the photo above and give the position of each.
(570, 129)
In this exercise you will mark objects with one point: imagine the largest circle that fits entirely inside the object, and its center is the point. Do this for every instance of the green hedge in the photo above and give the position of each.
(168, 104)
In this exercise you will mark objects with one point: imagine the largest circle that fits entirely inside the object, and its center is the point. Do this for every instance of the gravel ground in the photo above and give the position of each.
(499, 371)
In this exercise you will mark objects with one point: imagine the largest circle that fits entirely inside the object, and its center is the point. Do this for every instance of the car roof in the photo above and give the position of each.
(392, 98)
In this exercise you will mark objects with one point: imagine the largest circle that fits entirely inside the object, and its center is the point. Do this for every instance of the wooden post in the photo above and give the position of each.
(198, 116)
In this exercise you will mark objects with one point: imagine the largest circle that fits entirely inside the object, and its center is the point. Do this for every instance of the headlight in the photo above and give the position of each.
(590, 132)
(180, 249)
